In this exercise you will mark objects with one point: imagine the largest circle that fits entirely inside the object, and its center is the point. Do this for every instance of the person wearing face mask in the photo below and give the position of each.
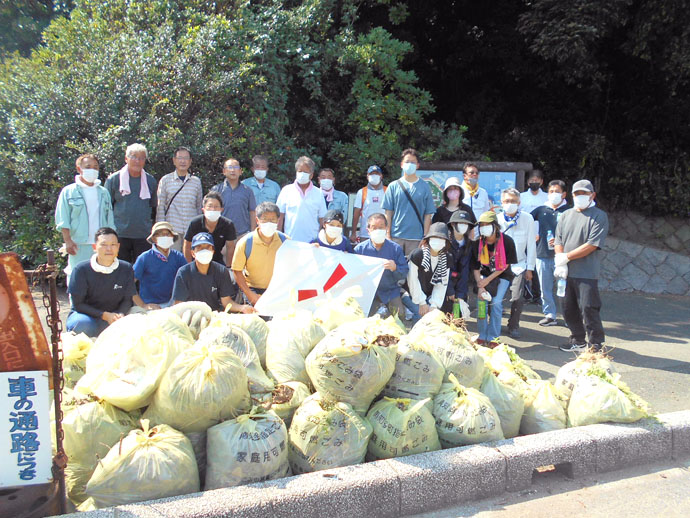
(331, 235)
(534, 196)
(82, 208)
(427, 279)
(546, 218)
(221, 229)
(239, 205)
(156, 269)
(452, 202)
(264, 188)
(409, 205)
(394, 269)
(302, 206)
(335, 200)
(179, 195)
(206, 280)
(492, 256)
(580, 234)
(475, 197)
(134, 194)
(460, 226)
(369, 200)
(255, 253)
(102, 288)
(520, 226)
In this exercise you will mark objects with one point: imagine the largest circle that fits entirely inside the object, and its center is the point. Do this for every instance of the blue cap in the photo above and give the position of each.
(374, 169)
(203, 238)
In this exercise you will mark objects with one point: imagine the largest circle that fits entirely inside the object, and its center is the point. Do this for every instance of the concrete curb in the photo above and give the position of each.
(422, 483)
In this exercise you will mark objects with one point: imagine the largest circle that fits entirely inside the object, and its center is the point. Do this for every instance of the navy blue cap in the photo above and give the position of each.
(334, 214)
(374, 169)
(202, 238)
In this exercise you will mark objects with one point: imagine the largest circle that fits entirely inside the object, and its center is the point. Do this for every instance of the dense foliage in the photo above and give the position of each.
(581, 88)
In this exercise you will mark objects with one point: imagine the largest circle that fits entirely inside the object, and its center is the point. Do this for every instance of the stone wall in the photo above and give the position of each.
(628, 266)
(665, 233)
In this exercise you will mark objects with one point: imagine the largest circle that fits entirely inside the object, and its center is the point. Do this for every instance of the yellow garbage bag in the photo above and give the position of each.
(544, 408)
(507, 401)
(337, 311)
(464, 416)
(401, 427)
(75, 349)
(326, 434)
(252, 324)
(204, 386)
(286, 399)
(91, 428)
(129, 358)
(250, 448)
(148, 464)
(418, 371)
(568, 374)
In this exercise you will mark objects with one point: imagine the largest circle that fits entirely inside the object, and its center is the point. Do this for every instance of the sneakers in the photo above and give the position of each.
(548, 322)
(514, 333)
(408, 314)
(573, 347)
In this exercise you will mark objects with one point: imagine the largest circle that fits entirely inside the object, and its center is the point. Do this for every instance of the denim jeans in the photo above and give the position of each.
(81, 323)
(545, 269)
(490, 327)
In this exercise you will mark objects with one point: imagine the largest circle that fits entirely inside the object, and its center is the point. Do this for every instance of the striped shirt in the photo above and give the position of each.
(185, 206)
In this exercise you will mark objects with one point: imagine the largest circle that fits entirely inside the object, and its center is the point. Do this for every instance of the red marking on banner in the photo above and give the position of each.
(335, 277)
(305, 294)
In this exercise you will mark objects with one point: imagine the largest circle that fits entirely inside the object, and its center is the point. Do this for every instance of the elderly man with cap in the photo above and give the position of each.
(452, 202)
(427, 279)
(394, 269)
(492, 256)
(580, 234)
(206, 280)
(331, 235)
(368, 201)
(460, 226)
(156, 268)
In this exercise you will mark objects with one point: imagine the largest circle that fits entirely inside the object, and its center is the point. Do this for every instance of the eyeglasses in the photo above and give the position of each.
(183, 158)
(137, 158)
(231, 167)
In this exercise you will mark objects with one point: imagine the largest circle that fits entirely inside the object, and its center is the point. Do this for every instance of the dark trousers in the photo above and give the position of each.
(581, 306)
(534, 285)
(517, 302)
(131, 248)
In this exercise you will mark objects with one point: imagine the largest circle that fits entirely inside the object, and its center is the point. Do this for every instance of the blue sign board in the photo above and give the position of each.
(493, 181)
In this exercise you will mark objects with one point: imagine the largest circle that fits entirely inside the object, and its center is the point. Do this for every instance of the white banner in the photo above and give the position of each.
(25, 428)
(304, 276)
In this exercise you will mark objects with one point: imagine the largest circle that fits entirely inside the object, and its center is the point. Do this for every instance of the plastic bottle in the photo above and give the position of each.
(482, 304)
(549, 237)
(561, 288)
(456, 309)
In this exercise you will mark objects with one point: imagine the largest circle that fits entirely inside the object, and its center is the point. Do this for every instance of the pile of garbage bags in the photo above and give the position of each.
(184, 398)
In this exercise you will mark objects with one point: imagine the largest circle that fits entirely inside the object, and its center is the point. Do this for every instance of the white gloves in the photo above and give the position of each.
(561, 272)
(561, 259)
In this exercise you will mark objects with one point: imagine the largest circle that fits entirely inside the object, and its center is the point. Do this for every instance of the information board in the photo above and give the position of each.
(493, 181)
(25, 446)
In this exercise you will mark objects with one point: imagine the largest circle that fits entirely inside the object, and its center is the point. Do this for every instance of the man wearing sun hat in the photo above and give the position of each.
(156, 268)
(580, 234)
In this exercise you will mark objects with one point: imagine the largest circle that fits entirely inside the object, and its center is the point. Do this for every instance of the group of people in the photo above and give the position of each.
(160, 243)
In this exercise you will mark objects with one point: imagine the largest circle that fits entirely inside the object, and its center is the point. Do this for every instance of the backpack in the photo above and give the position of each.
(250, 240)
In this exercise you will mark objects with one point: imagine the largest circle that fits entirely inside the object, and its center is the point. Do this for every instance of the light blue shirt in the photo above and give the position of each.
(268, 192)
(405, 224)
(340, 203)
(71, 212)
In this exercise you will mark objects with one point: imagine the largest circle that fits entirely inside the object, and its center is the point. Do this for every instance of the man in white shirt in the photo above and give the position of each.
(369, 200)
(475, 197)
(534, 196)
(519, 225)
(179, 195)
(302, 206)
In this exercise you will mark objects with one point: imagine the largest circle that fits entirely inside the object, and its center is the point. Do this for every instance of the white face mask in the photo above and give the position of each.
(461, 228)
(436, 243)
(471, 181)
(510, 208)
(378, 236)
(409, 168)
(164, 242)
(333, 232)
(326, 184)
(204, 256)
(486, 231)
(555, 198)
(260, 174)
(268, 228)
(374, 179)
(90, 175)
(212, 215)
(302, 177)
(581, 201)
